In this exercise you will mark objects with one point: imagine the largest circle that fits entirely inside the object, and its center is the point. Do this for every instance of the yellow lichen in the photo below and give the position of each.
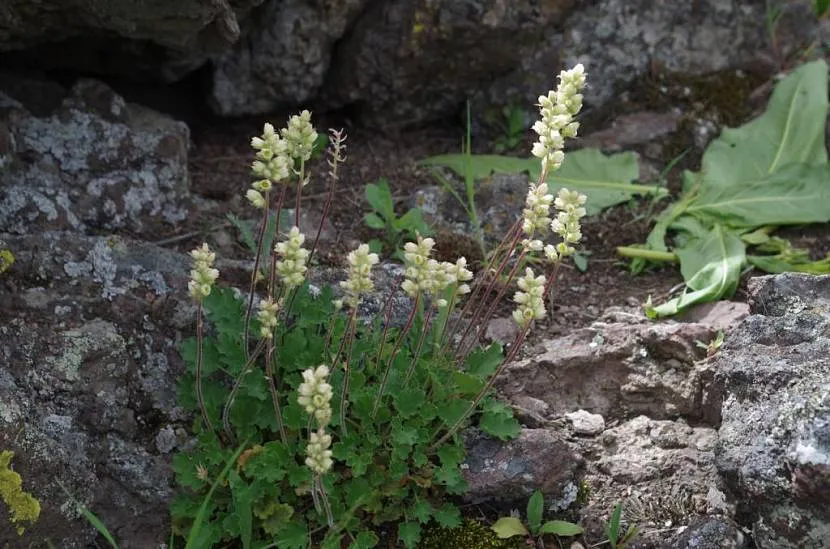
(6, 260)
(22, 506)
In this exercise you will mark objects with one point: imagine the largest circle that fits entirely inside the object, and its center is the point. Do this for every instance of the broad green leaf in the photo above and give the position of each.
(452, 479)
(561, 528)
(467, 384)
(791, 131)
(409, 533)
(605, 179)
(535, 508)
(507, 527)
(374, 221)
(450, 412)
(775, 264)
(422, 510)
(711, 268)
(794, 194)
(451, 455)
(408, 402)
(379, 197)
(274, 516)
(413, 221)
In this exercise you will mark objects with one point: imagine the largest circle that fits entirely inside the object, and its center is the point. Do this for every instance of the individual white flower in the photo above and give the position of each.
(293, 257)
(558, 109)
(255, 198)
(268, 317)
(318, 453)
(315, 394)
(299, 136)
(359, 281)
(529, 299)
(203, 276)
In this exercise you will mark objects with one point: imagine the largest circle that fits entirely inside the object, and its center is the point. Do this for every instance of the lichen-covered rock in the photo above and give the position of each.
(509, 472)
(773, 377)
(283, 57)
(709, 533)
(96, 162)
(88, 362)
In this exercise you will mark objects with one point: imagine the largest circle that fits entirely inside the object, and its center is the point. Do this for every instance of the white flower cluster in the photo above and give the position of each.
(428, 276)
(566, 225)
(558, 109)
(272, 164)
(530, 299)
(292, 264)
(268, 315)
(359, 281)
(536, 215)
(300, 136)
(315, 394)
(203, 276)
(315, 398)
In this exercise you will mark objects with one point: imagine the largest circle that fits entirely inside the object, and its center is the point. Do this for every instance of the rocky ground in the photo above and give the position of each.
(100, 196)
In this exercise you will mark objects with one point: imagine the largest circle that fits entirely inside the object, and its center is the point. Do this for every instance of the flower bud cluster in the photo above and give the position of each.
(318, 452)
(315, 398)
(359, 281)
(203, 276)
(315, 394)
(299, 136)
(458, 274)
(420, 270)
(293, 257)
(272, 164)
(536, 215)
(566, 225)
(268, 317)
(558, 109)
(530, 299)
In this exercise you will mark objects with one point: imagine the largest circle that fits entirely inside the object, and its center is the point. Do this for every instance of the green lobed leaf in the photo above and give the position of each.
(243, 495)
(374, 221)
(364, 540)
(409, 401)
(409, 533)
(507, 527)
(293, 536)
(422, 511)
(379, 197)
(269, 464)
(448, 515)
(450, 412)
(498, 421)
(561, 528)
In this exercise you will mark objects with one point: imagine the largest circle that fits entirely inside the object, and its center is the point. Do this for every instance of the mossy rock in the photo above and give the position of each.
(470, 535)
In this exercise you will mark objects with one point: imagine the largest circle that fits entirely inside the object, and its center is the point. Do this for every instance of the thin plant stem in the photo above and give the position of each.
(237, 384)
(254, 275)
(395, 350)
(272, 387)
(349, 335)
(517, 343)
(335, 158)
(272, 272)
(300, 184)
(200, 396)
(420, 344)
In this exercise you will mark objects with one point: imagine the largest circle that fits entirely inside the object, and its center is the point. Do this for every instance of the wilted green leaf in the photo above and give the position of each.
(561, 528)
(507, 527)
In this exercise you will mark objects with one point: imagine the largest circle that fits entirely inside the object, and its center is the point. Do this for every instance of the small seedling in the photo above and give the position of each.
(713, 346)
(507, 527)
(612, 530)
(512, 126)
(395, 229)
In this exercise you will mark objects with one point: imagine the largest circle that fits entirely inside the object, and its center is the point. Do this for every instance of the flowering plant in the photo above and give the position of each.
(348, 421)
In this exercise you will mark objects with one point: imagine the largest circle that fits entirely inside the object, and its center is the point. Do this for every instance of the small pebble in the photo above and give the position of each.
(586, 423)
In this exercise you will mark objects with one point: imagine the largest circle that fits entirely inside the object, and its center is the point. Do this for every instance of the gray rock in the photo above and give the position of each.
(616, 369)
(774, 440)
(407, 61)
(501, 330)
(95, 163)
(509, 472)
(283, 58)
(586, 423)
(709, 533)
(720, 315)
(633, 129)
